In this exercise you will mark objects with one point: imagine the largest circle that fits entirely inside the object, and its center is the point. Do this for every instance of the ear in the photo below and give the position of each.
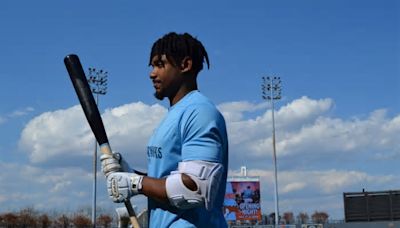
(186, 64)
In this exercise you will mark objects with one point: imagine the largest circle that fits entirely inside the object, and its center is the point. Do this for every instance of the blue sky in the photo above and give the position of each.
(338, 123)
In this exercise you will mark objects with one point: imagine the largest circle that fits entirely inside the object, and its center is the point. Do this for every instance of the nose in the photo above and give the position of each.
(153, 73)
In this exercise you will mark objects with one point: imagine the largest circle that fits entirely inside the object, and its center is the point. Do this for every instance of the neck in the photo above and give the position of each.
(182, 91)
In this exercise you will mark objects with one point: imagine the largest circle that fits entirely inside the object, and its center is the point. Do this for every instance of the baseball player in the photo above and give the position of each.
(187, 153)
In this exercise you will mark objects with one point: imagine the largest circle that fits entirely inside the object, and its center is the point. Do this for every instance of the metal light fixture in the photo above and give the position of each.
(271, 90)
(97, 80)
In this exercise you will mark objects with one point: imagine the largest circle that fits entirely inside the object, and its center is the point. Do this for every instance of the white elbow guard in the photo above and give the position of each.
(206, 175)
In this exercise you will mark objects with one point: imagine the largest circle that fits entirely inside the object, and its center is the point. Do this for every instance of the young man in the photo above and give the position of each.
(187, 154)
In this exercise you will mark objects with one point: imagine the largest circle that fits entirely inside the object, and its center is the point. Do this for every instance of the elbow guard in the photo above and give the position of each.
(206, 175)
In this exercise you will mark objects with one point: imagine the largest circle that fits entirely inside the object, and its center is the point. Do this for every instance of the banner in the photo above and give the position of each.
(242, 200)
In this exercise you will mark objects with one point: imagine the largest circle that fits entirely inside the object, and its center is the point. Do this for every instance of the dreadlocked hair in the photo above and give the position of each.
(179, 46)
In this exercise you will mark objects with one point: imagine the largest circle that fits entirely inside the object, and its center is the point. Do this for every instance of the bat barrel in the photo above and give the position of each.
(85, 96)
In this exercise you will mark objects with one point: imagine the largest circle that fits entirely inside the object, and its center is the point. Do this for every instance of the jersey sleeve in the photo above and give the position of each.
(203, 134)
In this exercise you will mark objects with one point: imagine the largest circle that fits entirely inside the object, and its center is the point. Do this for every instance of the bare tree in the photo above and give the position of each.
(62, 221)
(85, 210)
(44, 221)
(320, 217)
(10, 220)
(81, 221)
(27, 217)
(288, 217)
(104, 220)
(31, 218)
(302, 217)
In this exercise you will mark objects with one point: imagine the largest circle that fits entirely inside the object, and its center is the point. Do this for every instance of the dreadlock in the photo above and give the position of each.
(179, 46)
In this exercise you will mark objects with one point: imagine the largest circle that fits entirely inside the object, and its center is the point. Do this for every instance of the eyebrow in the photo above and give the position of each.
(156, 59)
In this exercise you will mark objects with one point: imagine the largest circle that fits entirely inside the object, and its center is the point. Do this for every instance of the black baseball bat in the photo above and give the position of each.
(85, 96)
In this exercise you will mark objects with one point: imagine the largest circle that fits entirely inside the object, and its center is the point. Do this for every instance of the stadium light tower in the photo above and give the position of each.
(97, 80)
(271, 90)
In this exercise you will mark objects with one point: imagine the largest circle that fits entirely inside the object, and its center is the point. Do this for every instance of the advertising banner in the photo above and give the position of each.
(242, 200)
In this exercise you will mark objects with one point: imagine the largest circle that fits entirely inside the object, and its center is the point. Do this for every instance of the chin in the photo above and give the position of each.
(159, 96)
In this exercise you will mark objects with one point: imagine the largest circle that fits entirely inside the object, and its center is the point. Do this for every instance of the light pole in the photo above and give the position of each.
(97, 80)
(271, 90)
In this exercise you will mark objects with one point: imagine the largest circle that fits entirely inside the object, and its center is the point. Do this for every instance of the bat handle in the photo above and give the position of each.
(106, 149)
(132, 215)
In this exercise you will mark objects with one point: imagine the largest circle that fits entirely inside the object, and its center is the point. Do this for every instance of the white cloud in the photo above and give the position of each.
(234, 111)
(66, 134)
(130, 126)
(326, 135)
(62, 132)
(47, 189)
(21, 112)
(301, 111)
(294, 186)
(305, 127)
(2, 120)
(298, 112)
(16, 114)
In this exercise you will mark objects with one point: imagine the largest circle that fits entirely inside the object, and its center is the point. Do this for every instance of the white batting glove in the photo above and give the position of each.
(122, 186)
(114, 163)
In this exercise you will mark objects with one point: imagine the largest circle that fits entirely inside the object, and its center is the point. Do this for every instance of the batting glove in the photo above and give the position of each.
(114, 163)
(122, 186)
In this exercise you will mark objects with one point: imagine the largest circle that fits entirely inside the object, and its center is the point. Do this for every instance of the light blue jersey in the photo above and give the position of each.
(192, 130)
